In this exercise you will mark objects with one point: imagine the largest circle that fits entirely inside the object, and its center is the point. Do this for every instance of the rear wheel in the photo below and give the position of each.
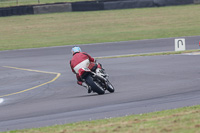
(96, 87)
(110, 87)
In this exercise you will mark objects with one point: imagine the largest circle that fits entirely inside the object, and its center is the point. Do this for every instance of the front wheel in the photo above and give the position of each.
(110, 87)
(96, 87)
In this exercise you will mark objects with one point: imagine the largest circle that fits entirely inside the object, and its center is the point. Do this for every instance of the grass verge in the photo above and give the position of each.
(182, 120)
(151, 54)
(69, 28)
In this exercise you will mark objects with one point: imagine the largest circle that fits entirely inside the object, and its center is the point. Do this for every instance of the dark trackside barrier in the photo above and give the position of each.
(123, 4)
(172, 2)
(87, 6)
(128, 4)
(90, 6)
(110, 0)
(4, 11)
(18, 10)
(23, 10)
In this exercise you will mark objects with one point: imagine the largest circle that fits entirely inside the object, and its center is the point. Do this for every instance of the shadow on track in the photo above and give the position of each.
(90, 95)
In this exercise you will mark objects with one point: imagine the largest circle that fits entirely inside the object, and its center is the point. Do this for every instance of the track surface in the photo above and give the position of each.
(143, 84)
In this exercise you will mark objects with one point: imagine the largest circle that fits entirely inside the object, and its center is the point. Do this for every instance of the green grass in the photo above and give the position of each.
(71, 28)
(8, 3)
(182, 120)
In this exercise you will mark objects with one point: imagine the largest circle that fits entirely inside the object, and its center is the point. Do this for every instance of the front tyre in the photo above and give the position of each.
(96, 87)
(110, 87)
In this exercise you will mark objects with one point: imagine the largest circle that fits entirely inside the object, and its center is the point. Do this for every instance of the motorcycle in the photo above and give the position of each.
(97, 80)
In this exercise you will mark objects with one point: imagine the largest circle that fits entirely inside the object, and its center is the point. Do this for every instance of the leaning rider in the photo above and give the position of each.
(82, 60)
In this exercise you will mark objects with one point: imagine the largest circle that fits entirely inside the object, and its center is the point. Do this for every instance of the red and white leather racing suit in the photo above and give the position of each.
(81, 60)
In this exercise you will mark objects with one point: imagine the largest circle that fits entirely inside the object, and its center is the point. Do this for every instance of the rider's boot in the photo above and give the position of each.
(87, 87)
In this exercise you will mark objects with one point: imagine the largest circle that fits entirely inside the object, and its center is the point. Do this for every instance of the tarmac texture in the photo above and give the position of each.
(38, 88)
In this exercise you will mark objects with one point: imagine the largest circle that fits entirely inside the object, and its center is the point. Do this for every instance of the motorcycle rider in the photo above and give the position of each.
(82, 60)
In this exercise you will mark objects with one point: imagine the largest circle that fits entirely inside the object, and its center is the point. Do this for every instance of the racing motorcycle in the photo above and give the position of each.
(98, 80)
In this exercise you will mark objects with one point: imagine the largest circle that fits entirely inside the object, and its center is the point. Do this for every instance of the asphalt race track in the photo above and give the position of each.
(39, 89)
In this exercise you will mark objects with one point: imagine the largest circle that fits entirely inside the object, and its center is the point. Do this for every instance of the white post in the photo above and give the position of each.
(180, 44)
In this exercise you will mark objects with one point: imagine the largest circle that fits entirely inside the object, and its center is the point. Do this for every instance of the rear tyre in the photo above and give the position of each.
(110, 87)
(94, 85)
